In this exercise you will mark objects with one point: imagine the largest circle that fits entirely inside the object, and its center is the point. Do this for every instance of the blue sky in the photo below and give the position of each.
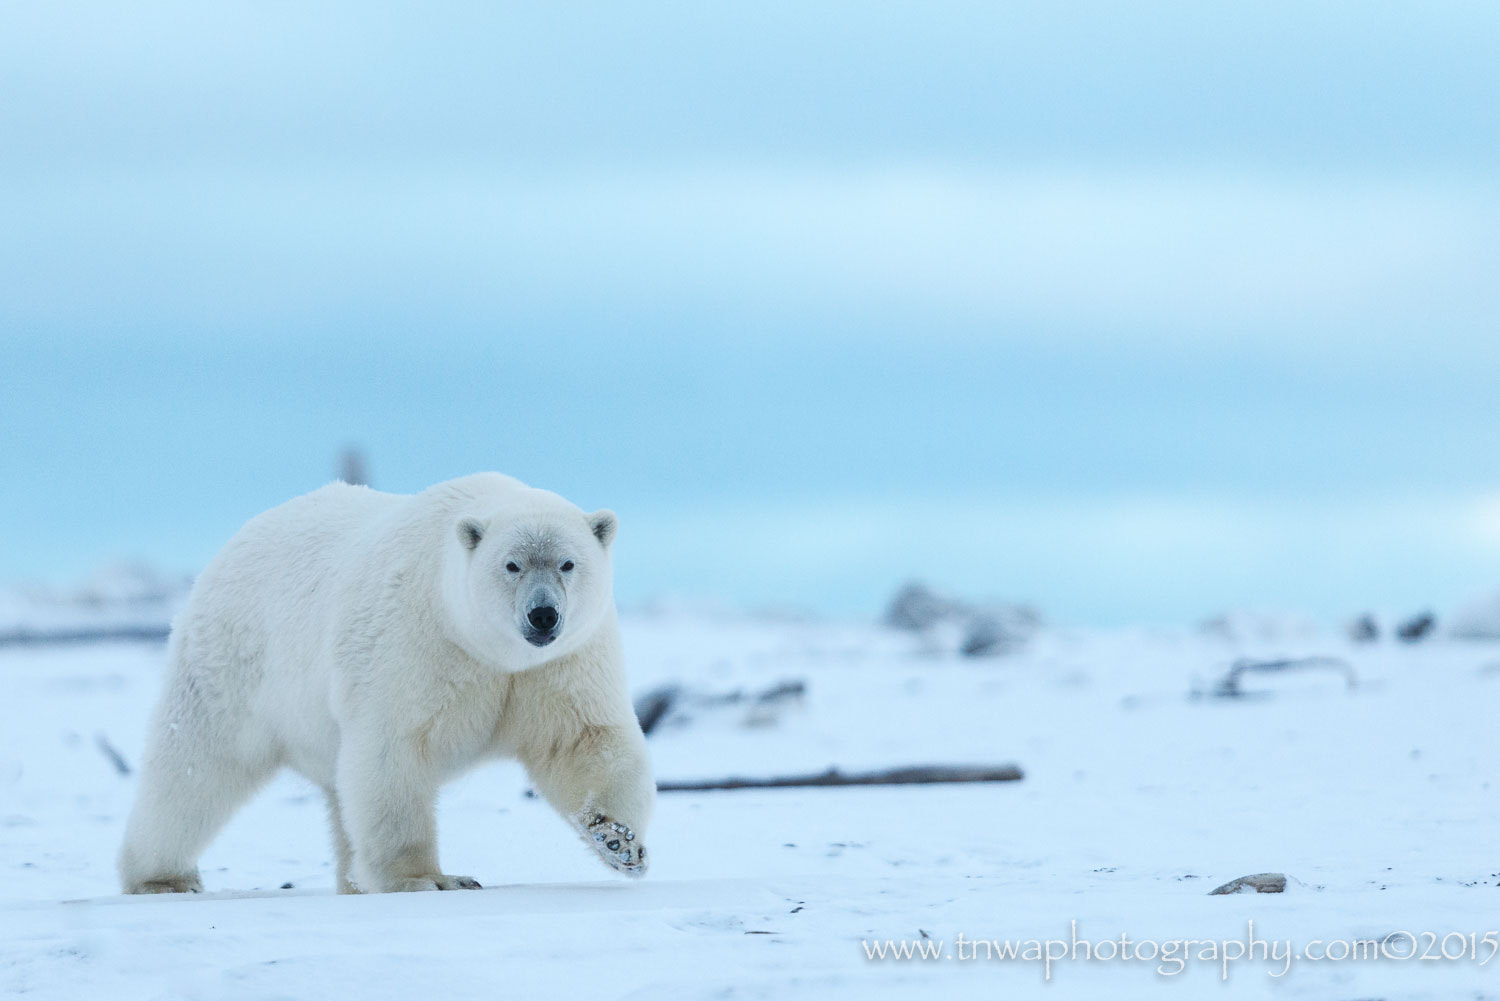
(1136, 311)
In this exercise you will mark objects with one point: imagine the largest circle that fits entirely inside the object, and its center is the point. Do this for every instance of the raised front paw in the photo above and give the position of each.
(616, 844)
(437, 881)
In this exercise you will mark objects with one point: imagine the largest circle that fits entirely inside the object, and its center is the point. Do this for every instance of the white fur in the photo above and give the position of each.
(356, 637)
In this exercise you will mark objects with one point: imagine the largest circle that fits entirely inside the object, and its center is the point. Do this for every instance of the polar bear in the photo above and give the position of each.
(381, 644)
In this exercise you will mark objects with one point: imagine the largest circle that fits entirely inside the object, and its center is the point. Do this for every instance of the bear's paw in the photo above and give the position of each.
(437, 881)
(615, 842)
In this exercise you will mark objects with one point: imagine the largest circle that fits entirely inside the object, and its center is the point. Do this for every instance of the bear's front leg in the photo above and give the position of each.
(600, 781)
(388, 799)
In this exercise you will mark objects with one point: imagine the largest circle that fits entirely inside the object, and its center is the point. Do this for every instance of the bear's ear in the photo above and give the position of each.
(604, 524)
(470, 531)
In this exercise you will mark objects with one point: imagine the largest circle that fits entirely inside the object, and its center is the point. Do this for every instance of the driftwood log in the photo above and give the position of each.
(913, 775)
(86, 634)
(1229, 686)
(112, 753)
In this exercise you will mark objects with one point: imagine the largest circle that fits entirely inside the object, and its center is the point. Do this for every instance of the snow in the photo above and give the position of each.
(1480, 619)
(115, 596)
(1379, 802)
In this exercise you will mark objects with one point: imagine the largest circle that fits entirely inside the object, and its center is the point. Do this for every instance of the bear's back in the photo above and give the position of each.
(279, 570)
(305, 533)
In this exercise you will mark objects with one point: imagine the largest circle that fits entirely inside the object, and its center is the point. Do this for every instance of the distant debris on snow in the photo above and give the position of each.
(917, 607)
(910, 775)
(122, 601)
(1365, 629)
(677, 705)
(1260, 882)
(1422, 626)
(652, 707)
(974, 630)
(985, 636)
(112, 754)
(1229, 685)
(1263, 627)
(353, 468)
(1417, 628)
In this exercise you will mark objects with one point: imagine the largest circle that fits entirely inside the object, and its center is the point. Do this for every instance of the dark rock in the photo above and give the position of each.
(1364, 629)
(998, 629)
(782, 691)
(652, 707)
(975, 630)
(988, 637)
(1417, 628)
(771, 703)
(917, 607)
(1260, 882)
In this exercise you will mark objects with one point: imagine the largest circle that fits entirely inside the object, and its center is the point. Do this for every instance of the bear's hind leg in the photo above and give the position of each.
(190, 785)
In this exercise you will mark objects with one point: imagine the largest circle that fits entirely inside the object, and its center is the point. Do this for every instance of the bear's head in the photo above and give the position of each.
(532, 584)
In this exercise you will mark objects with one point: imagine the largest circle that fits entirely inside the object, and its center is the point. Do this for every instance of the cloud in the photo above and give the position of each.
(1102, 559)
(1116, 257)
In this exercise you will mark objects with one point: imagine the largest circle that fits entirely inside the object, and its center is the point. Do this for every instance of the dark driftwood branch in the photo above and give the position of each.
(44, 637)
(916, 775)
(1230, 686)
(652, 708)
(109, 751)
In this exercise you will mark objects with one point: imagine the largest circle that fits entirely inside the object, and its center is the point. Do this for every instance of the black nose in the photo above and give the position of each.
(543, 617)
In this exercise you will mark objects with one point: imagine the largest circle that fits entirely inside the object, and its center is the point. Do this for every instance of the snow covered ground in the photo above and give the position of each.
(1380, 802)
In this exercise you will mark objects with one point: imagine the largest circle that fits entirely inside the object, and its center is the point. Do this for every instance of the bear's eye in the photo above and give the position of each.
(512, 568)
(567, 566)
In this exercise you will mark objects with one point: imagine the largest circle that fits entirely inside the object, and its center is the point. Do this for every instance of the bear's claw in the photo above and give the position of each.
(615, 843)
(437, 881)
